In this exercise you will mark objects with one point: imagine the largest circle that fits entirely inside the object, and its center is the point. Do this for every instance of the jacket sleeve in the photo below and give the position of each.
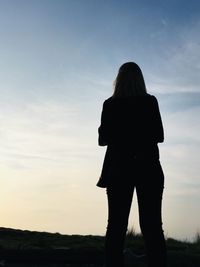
(103, 128)
(157, 123)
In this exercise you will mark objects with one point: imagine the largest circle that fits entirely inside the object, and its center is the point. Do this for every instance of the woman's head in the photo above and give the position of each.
(129, 81)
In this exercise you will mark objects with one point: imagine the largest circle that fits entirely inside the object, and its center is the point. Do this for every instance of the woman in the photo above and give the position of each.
(131, 128)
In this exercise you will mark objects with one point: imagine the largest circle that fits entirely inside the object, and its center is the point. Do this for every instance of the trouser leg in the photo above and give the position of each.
(119, 203)
(149, 194)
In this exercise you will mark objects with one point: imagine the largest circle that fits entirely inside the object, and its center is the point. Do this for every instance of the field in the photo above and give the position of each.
(38, 249)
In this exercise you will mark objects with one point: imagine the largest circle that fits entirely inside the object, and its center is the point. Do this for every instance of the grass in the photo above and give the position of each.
(181, 253)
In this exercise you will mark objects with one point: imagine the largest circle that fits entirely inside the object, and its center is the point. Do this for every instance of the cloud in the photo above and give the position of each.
(179, 101)
(42, 131)
(178, 63)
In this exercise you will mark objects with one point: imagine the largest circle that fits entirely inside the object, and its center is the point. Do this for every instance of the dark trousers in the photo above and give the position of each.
(148, 180)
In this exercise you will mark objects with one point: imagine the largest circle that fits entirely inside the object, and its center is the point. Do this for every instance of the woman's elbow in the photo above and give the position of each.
(102, 141)
(161, 139)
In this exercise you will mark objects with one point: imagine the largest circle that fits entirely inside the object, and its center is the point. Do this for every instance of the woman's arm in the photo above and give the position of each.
(157, 123)
(103, 129)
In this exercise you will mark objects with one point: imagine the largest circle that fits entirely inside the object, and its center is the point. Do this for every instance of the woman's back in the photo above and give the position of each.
(132, 124)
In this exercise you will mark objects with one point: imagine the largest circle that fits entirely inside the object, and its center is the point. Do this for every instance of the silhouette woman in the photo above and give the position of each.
(131, 127)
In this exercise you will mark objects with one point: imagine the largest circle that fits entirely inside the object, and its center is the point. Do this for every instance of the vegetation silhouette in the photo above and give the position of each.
(25, 248)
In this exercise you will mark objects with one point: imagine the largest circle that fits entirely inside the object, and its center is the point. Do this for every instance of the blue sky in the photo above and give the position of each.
(58, 63)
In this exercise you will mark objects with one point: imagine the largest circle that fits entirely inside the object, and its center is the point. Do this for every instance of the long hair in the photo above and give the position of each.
(129, 81)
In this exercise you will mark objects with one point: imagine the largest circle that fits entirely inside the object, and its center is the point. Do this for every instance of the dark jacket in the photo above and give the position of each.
(130, 127)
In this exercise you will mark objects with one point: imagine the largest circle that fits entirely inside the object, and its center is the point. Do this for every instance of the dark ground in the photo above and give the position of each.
(40, 249)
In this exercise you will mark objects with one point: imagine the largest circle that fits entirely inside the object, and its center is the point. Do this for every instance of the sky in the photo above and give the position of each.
(58, 61)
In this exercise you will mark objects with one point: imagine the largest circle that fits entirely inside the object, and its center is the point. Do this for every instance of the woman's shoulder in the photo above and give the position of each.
(147, 97)
(153, 98)
(109, 102)
(108, 99)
